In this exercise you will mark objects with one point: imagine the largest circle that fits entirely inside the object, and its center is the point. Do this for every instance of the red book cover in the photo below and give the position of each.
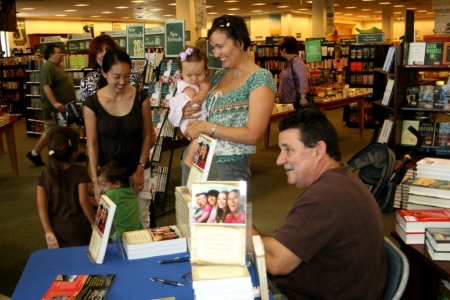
(436, 38)
(417, 220)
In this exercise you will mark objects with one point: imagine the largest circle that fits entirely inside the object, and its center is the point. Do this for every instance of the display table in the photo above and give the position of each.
(8, 130)
(425, 273)
(131, 281)
(323, 104)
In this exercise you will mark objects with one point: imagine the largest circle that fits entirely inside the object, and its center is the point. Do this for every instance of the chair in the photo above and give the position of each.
(397, 271)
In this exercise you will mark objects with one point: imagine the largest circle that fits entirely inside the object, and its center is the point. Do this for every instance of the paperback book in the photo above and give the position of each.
(430, 187)
(428, 202)
(407, 138)
(102, 230)
(74, 287)
(260, 260)
(410, 238)
(433, 53)
(441, 97)
(426, 96)
(418, 220)
(442, 135)
(436, 255)
(439, 238)
(388, 62)
(412, 96)
(416, 53)
(426, 130)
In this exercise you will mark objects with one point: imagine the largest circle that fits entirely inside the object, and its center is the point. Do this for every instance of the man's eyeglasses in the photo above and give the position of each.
(187, 277)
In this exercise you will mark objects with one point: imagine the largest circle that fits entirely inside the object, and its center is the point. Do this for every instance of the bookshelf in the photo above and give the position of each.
(267, 56)
(12, 83)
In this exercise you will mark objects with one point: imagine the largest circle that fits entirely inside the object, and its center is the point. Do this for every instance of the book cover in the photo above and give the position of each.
(428, 200)
(426, 96)
(412, 96)
(386, 131)
(446, 53)
(436, 255)
(167, 91)
(168, 71)
(260, 259)
(414, 238)
(433, 163)
(388, 92)
(430, 187)
(439, 238)
(418, 220)
(441, 97)
(209, 241)
(204, 154)
(70, 287)
(154, 91)
(102, 229)
(426, 130)
(416, 53)
(433, 53)
(389, 60)
(442, 135)
(407, 138)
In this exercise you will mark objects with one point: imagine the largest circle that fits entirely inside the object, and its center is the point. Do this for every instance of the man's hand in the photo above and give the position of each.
(60, 107)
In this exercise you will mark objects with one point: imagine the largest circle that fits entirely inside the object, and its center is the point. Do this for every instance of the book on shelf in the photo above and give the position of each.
(439, 238)
(260, 262)
(433, 53)
(79, 287)
(200, 168)
(210, 240)
(154, 91)
(104, 221)
(431, 201)
(446, 53)
(426, 130)
(388, 62)
(442, 134)
(426, 96)
(386, 131)
(410, 238)
(430, 187)
(387, 96)
(412, 96)
(416, 53)
(154, 242)
(441, 97)
(407, 138)
(436, 255)
(418, 220)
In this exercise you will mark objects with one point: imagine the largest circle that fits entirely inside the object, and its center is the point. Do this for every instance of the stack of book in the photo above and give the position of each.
(435, 168)
(183, 212)
(154, 242)
(428, 193)
(410, 225)
(437, 241)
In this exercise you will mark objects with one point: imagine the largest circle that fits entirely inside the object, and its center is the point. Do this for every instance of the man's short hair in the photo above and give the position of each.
(49, 49)
(314, 127)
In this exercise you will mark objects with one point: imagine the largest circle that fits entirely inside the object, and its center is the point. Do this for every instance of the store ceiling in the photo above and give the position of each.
(161, 10)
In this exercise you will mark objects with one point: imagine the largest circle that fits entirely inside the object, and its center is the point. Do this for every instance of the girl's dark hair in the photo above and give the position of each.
(289, 43)
(234, 28)
(111, 58)
(114, 171)
(63, 142)
(197, 55)
(221, 214)
(97, 44)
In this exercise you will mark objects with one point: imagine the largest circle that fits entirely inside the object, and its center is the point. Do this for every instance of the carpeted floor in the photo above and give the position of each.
(268, 191)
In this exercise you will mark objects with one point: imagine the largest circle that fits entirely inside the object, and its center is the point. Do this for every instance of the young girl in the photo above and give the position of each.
(62, 193)
(114, 182)
(192, 88)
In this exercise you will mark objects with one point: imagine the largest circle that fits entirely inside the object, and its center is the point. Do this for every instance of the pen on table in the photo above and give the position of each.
(159, 280)
(175, 259)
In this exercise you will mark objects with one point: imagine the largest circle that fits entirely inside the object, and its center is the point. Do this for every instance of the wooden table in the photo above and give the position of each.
(275, 118)
(424, 273)
(322, 105)
(8, 130)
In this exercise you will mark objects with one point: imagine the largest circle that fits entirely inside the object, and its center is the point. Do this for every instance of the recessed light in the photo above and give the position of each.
(106, 12)
(365, 9)
(121, 7)
(337, 13)
(233, 8)
(411, 8)
(368, 0)
(173, 4)
(209, 6)
(283, 6)
(27, 8)
(212, 13)
(70, 10)
(257, 11)
(350, 7)
(422, 10)
(430, 13)
(397, 13)
(138, 1)
(125, 17)
(336, 4)
(60, 15)
(258, 4)
(303, 9)
(82, 4)
(348, 14)
(94, 16)
(231, 1)
(168, 15)
(399, 6)
(384, 3)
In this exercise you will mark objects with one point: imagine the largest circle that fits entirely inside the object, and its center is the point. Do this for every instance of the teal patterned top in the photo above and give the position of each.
(231, 109)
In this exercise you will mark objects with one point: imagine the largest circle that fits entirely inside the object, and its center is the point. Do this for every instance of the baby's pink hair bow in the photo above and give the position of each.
(184, 54)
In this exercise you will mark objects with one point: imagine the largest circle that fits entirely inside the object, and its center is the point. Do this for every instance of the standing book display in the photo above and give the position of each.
(218, 250)
(102, 229)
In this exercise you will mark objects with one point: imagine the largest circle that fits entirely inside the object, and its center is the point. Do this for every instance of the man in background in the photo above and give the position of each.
(57, 89)
(331, 245)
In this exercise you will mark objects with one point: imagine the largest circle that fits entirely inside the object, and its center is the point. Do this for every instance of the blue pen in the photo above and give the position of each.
(176, 259)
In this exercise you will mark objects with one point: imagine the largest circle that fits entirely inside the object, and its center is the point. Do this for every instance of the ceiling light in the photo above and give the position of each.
(212, 13)
(337, 13)
(411, 8)
(106, 12)
(257, 11)
(94, 16)
(168, 15)
(233, 8)
(125, 17)
(121, 7)
(303, 9)
(422, 10)
(258, 4)
(173, 4)
(430, 13)
(399, 6)
(348, 14)
(81, 4)
(384, 3)
(397, 13)
(209, 6)
(283, 6)
(368, 0)
(350, 7)
(138, 1)
(363, 16)
(70, 10)
(336, 4)
(27, 8)
(60, 15)
(231, 1)
(365, 9)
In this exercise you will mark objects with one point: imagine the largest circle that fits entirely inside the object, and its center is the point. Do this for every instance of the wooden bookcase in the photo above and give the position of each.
(267, 56)
(12, 83)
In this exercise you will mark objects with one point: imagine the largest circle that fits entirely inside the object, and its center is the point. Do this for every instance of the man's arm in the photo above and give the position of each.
(279, 259)
(51, 97)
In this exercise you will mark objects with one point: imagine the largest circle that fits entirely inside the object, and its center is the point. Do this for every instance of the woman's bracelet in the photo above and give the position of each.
(213, 130)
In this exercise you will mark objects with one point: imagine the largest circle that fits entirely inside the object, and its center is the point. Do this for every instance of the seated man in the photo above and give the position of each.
(331, 245)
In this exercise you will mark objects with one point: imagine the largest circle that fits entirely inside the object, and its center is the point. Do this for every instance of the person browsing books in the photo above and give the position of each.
(192, 88)
(331, 244)
(97, 49)
(114, 183)
(119, 127)
(63, 204)
(222, 207)
(239, 104)
(57, 90)
(294, 65)
(236, 205)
